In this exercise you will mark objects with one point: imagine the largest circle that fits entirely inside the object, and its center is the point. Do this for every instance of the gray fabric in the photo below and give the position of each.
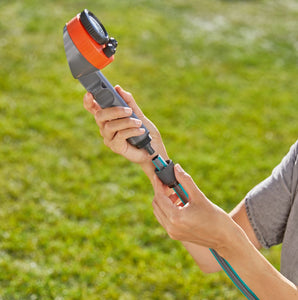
(272, 208)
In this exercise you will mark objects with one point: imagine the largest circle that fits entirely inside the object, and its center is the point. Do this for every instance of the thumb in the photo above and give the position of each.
(90, 104)
(186, 181)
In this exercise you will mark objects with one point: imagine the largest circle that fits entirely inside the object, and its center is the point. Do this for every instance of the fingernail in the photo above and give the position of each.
(127, 110)
(178, 168)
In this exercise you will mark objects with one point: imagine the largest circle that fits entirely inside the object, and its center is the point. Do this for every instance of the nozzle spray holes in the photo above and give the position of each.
(94, 27)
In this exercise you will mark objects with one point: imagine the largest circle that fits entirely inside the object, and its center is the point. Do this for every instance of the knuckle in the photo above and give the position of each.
(176, 219)
(86, 101)
(172, 233)
(115, 149)
(173, 218)
(121, 135)
(98, 114)
(107, 143)
(102, 128)
(107, 126)
(98, 117)
(86, 106)
(118, 112)
(153, 202)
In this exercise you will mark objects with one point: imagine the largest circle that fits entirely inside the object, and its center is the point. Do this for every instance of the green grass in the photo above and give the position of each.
(219, 79)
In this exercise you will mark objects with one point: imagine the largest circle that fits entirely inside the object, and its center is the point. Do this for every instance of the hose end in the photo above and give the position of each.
(149, 149)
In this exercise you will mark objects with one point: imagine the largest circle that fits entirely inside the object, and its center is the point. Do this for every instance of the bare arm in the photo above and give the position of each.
(205, 224)
(256, 271)
(115, 127)
(202, 255)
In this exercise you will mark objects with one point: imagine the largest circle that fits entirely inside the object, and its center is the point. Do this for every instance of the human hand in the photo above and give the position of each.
(199, 221)
(116, 126)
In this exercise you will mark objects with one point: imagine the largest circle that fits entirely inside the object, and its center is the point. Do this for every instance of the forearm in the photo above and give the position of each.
(262, 278)
(203, 257)
(148, 169)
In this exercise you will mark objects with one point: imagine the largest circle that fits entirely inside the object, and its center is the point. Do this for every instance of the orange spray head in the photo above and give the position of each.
(87, 44)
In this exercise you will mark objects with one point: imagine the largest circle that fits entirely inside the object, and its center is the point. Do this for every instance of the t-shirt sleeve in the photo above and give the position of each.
(269, 203)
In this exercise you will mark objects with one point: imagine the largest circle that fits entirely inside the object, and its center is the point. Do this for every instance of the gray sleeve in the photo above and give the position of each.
(269, 203)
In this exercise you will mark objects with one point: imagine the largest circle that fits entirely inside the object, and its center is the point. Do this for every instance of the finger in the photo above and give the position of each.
(110, 128)
(187, 182)
(112, 113)
(90, 104)
(158, 186)
(159, 215)
(168, 191)
(128, 98)
(163, 201)
(119, 140)
(122, 124)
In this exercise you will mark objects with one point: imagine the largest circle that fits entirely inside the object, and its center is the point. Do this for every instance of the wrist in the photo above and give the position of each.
(148, 169)
(233, 241)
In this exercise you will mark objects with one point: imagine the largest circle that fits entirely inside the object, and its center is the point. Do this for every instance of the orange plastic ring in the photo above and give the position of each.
(85, 44)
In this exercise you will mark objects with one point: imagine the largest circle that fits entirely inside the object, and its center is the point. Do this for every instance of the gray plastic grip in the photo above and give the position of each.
(106, 96)
(102, 91)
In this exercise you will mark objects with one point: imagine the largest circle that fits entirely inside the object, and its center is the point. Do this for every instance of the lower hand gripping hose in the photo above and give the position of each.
(165, 172)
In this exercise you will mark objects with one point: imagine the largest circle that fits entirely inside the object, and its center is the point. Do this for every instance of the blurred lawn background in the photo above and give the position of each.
(218, 78)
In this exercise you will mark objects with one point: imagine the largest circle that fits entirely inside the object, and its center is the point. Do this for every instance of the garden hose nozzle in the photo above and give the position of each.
(89, 49)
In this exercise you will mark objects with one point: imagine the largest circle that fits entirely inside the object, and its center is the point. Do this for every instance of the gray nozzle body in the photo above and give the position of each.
(95, 83)
(106, 96)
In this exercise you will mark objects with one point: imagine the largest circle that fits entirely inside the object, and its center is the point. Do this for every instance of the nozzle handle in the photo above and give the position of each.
(106, 96)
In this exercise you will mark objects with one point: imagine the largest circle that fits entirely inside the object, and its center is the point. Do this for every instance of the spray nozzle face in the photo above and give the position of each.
(94, 27)
(98, 32)
(87, 44)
